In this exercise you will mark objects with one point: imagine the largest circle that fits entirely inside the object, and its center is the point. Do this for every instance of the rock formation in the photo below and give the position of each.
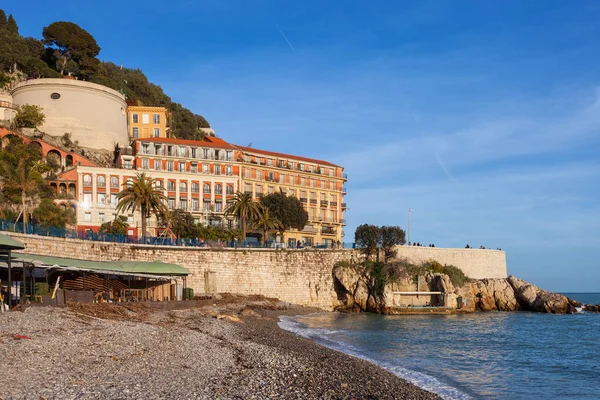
(355, 292)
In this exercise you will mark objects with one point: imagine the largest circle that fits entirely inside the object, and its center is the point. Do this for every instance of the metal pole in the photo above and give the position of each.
(9, 279)
(409, 210)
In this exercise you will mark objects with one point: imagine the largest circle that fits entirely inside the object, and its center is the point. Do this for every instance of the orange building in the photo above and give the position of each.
(147, 122)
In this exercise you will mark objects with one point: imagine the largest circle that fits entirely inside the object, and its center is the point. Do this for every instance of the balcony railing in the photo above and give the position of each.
(344, 206)
(324, 203)
(328, 230)
(345, 176)
(333, 203)
(313, 202)
(344, 190)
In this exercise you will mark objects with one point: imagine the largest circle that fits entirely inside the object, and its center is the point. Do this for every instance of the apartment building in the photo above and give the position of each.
(146, 122)
(318, 184)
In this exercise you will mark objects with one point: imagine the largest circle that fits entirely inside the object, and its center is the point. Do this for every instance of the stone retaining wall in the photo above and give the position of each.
(297, 276)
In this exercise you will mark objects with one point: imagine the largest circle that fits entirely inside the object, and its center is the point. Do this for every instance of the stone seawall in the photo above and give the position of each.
(301, 277)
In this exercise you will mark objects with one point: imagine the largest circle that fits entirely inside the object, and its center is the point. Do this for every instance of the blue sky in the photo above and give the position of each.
(483, 117)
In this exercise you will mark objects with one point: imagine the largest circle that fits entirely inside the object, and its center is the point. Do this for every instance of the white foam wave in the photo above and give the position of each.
(323, 336)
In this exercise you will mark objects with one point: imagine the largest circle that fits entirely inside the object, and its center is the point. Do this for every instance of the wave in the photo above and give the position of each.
(323, 336)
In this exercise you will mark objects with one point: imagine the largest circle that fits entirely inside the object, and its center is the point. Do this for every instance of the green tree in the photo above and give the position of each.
(29, 116)
(391, 236)
(73, 43)
(182, 224)
(21, 169)
(367, 238)
(244, 209)
(2, 20)
(11, 26)
(287, 209)
(36, 68)
(118, 226)
(49, 214)
(265, 221)
(143, 196)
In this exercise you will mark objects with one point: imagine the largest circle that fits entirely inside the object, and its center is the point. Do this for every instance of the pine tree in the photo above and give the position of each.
(2, 19)
(11, 26)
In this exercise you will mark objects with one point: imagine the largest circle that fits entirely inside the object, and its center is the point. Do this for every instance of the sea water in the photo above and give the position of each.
(494, 355)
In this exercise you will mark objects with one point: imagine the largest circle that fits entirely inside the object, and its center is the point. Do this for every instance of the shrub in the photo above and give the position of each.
(456, 275)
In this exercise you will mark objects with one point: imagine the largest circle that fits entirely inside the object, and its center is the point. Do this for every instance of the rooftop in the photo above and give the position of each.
(206, 142)
(283, 155)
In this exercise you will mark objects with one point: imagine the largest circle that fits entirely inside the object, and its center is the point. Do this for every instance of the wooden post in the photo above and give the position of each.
(9, 279)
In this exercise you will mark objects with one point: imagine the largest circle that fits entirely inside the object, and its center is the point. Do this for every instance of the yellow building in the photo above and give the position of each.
(146, 122)
(318, 184)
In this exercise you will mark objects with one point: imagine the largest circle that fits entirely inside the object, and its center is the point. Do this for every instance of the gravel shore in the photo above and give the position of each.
(233, 350)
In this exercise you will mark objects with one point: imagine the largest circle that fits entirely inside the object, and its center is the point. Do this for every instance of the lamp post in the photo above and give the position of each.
(409, 211)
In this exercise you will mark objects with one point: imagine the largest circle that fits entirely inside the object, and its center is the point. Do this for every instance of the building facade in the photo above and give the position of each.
(318, 184)
(146, 122)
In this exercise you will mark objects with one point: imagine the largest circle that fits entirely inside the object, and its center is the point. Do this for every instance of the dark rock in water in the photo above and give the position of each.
(592, 308)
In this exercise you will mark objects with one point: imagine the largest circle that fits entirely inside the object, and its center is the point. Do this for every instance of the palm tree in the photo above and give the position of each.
(243, 208)
(142, 196)
(265, 221)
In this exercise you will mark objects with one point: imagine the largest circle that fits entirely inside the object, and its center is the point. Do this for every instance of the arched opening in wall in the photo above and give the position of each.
(62, 189)
(54, 159)
(63, 206)
(54, 187)
(72, 190)
(69, 161)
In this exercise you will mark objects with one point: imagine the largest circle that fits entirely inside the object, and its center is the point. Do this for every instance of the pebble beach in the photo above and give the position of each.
(233, 350)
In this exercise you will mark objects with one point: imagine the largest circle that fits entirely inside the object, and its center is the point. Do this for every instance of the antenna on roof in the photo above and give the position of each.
(249, 144)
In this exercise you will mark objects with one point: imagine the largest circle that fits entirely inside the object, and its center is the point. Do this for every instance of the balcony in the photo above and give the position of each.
(333, 203)
(313, 202)
(343, 221)
(324, 203)
(303, 199)
(343, 206)
(344, 190)
(345, 176)
(328, 230)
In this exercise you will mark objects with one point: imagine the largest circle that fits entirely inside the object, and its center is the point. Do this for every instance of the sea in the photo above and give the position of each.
(493, 355)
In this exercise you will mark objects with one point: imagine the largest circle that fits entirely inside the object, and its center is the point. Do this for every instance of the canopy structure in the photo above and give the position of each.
(8, 243)
(132, 268)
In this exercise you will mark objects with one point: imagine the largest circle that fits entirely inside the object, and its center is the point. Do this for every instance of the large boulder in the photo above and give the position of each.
(495, 294)
(361, 295)
(552, 303)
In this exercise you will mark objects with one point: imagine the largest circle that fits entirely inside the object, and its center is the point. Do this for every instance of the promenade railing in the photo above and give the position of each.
(50, 231)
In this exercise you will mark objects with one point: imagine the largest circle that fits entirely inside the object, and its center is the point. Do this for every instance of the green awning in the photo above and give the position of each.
(8, 243)
(131, 267)
(154, 267)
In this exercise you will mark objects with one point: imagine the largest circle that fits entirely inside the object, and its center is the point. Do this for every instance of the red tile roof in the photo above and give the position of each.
(207, 142)
(70, 175)
(282, 155)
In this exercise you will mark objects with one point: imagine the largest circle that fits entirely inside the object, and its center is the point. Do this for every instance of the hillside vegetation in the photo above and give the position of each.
(66, 49)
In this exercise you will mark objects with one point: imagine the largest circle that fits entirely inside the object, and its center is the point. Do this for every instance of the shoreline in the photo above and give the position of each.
(234, 349)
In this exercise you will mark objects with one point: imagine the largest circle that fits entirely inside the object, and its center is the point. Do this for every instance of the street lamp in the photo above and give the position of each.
(409, 211)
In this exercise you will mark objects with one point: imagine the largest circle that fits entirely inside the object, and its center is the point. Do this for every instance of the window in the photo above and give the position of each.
(301, 167)
(127, 164)
(310, 168)
(217, 170)
(169, 165)
(281, 163)
(114, 182)
(145, 163)
(145, 148)
(182, 151)
(332, 216)
(322, 196)
(205, 153)
(229, 155)
(87, 199)
(195, 205)
(228, 170)
(291, 164)
(157, 118)
(270, 162)
(194, 168)
(303, 181)
(182, 167)
(206, 188)
(101, 198)
(205, 168)
(247, 171)
(145, 119)
(258, 190)
(322, 184)
(182, 187)
(171, 186)
(206, 205)
(332, 198)
(303, 194)
(292, 192)
(113, 200)
(158, 184)
(312, 183)
(229, 189)
(87, 217)
(134, 118)
(331, 185)
(194, 152)
(281, 178)
(156, 132)
(129, 182)
(271, 189)
(101, 181)
(87, 180)
(330, 171)
(248, 188)
(135, 133)
(157, 165)
(247, 158)
(259, 175)
(195, 187)
(101, 217)
(218, 189)
(218, 206)
(171, 202)
(183, 204)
